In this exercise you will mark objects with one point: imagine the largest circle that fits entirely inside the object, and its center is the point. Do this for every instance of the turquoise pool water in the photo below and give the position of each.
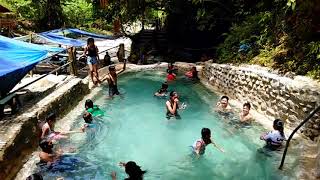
(135, 128)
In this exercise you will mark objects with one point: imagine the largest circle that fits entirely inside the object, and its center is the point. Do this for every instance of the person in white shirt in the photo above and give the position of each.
(275, 138)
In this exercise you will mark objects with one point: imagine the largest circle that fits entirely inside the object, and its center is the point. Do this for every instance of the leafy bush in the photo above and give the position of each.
(78, 12)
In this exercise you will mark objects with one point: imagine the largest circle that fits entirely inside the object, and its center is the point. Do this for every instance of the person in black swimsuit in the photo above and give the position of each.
(112, 79)
(91, 51)
(172, 105)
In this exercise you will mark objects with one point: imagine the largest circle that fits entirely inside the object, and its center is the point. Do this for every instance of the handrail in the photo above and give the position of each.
(108, 49)
(53, 71)
(293, 132)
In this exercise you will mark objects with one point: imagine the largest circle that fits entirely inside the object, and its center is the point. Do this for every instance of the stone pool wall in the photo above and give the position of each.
(22, 134)
(270, 94)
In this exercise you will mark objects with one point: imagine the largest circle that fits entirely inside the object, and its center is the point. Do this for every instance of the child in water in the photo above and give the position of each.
(199, 146)
(87, 117)
(93, 109)
(275, 138)
(162, 91)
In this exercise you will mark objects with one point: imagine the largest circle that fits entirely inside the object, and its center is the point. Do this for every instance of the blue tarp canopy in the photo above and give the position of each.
(55, 38)
(17, 59)
(78, 32)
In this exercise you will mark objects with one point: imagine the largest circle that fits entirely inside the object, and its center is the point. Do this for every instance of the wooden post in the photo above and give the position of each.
(31, 72)
(121, 52)
(73, 61)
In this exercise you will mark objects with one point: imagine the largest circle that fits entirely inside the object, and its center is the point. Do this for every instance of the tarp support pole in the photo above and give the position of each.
(72, 59)
(31, 72)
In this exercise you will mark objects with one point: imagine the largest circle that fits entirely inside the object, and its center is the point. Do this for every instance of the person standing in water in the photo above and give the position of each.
(199, 146)
(112, 79)
(91, 52)
(275, 138)
(172, 105)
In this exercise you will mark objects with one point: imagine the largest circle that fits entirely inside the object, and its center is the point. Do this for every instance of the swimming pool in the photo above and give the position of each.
(135, 128)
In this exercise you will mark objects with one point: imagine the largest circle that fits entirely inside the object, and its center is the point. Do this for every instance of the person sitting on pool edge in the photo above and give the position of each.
(275, 138)
(171, 76)
(94, 110)
(47, 155)
(245, 116)
(199, 146)
(223, 105)
(192, 74)
(172, 105)
(132, 170)
(112, 79)
(47, 129)
(163, 90)
(87, 117)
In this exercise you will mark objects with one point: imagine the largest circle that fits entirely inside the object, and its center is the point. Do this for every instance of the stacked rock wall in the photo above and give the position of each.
(275, 96)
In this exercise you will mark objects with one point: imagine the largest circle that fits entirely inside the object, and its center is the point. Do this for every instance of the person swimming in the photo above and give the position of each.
(275, 138)
(133, 171)
(87, 117)
(172, 105)
(163, 90)
(171, 76)
(223, 105)
(94, 110)
(245, 116)
(192, 74)
(199, 146)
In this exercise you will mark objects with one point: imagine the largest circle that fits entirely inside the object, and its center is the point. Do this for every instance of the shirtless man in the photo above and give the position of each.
(244, 115)
(223, 105)
(47, 155)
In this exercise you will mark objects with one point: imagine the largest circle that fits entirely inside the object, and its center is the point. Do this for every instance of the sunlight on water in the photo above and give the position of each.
(135, 128)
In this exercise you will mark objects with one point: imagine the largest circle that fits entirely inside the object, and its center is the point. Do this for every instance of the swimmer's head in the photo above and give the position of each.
(224, 101)
(51, 118)
(46, 146)
(173, 95)
(112, 68)
(88, 104)
(35, 177)
(133, 170)
(278, 124)
(206, 135)
(164, 85)
(90, 41)
(246, 108)
(87, 117)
